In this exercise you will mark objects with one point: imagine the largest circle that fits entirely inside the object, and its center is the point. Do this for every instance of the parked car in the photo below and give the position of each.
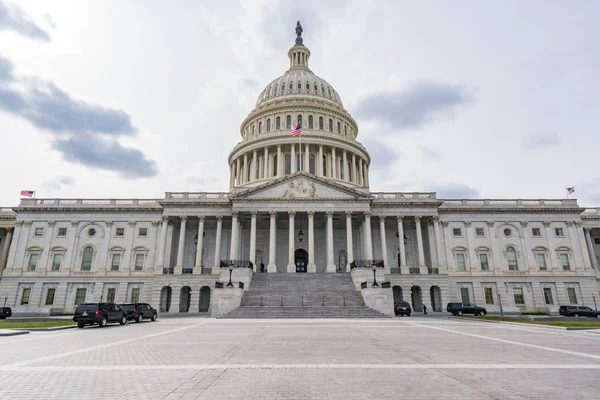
(139, 312)
(578, 311)
(5, 312)
(99, 313)
(465, 308)
(402, 308)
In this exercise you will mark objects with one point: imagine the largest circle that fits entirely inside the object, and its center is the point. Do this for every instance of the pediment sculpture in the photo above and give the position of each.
(299, 189)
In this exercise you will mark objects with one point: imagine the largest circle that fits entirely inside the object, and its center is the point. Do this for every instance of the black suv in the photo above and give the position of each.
(5, 312)
(402, 308)
(139, 311)
(577, 311)
(465, 308)
(99, 313)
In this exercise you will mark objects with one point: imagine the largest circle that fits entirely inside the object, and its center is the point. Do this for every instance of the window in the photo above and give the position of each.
(50, 297)
(135, 295)
(511, 258)
(288, 164)
(479, 232)
(483, 260)
(307, 85)
(464, 295)
(143, 232)
(80, 296)
(25, 296)
(62, 232)
(299, 120)
(268, 125)
(345, 131)
(570, 293)
(110, 295)
(33, 260)
(507, 232)
(299, 85)
(39, 232)
(310, 122)
(564, 260)
(311, 164)
(56, 261)
(460, 262)
(559, 232)
(91, 232)
(139, 261)
(518, 295)
(283, 87)
(116, 261)
(291, 86)
(489, 295)
(330, 125)
(536, 232)
(457, 232)
(315, 87)
(260, 127)
(86, 260)
(541, 260)
(339, 130)
(548, 298)
(120, 232)
(277, 123)
(275, 165)
(597, 240)
(321, 123)
(288, 122)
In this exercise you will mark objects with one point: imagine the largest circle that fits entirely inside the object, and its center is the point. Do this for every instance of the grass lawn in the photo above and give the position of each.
(28, 325)
(584, 323)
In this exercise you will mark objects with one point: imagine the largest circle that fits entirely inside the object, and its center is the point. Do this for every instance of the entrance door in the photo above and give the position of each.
(301, 260)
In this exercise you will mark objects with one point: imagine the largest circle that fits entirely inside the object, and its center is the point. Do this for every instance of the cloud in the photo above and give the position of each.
(430, 154)
(541, 141)
(452, 190)
(414, 107)
(58, 182)
(105, 154)
(13, 18)
(382, 156)
(49, 20)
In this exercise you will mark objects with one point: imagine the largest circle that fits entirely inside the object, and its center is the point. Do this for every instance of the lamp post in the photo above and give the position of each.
(375, 276)
(595, 307)
(230, 271)
(5, 298)
(500, 302)
(300, 235)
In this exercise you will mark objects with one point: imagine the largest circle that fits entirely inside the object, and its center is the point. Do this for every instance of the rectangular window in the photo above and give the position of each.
(80, 296)
(116, 262)
(548, 298)
(564, 260)
(559, 232)
(120, 232)
(456, 232)
(56, 261)
(139, 262)
(25, 296)
(50, 297)
(62, 232)
(135, 295)
(33, 259)
(479, 232)
(519, 298)
(143, 232)
(541, 260)
(39, 232)
(572, 295)
(536, 232)
(460, 262)
(483, 259)
(464, 295)
(489, 295)
(110, 295)
(597, 240)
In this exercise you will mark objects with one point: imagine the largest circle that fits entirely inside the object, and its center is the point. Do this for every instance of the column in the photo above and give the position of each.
(272, 267)
(583, 245)
(354, 169)
(163, 243)
(252, 256)
(349, 244)
(291, 244)
(421, 253)
(438, 244)
(231, 176)
(245, 178)
(4, 257)
(311, 268)
(198, 261)
(238, 174)
(293, 160)
(307, 159)
(330, 264)
(588, 241)
(386, 264)
(253, 168)
(179, 265)
(403, 265)
(333, 164)
(368, 241)
(233, 249)
(280, 169)
(266, 164)
(346, 170)
(319, 165)
(216, 270)
(366, 175)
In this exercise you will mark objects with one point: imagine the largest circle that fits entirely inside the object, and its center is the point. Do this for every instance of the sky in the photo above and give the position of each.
(132, 99)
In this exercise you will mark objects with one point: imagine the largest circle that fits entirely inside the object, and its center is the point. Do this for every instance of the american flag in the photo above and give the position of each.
(296, 130)
(571, 190)
(27, 193)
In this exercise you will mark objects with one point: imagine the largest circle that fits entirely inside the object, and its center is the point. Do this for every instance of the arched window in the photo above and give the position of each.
(311, 164)
(339, 128)
(323, 89)
(291, 86)
(345, 131)
(341, 168)
(330, 125)
(288, 122)
(315, 87)
(300, 120)
(283, 87)
(257, 172)
(268, 125)
(249, 177)
(86, 260)
(299, 85)
(310, 122)
(321, 123)
(511, 259)
(260, 127)
(274, 89)
(278, 123)
(253, 133)
(298, 161)
(350, 171)
(324, 165)
(288, 164)
(275, 165)
(307, 85)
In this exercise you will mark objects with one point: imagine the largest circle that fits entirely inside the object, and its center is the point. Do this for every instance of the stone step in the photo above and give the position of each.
(304, 312)
(252, 298)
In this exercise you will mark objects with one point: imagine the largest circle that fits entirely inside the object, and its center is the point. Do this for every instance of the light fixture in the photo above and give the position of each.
(300, 236)
(405, 238)
(196, 239)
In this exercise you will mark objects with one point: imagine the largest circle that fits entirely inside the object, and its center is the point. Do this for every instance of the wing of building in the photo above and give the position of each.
(298, 206)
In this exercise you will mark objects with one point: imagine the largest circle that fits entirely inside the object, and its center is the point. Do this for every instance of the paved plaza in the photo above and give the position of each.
(416, 358)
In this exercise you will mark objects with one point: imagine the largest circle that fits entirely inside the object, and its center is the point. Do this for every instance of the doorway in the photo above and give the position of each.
(436, 298)
(204, 299)
(417, 300)
(165, 299)
(301, 259)
(184, 299)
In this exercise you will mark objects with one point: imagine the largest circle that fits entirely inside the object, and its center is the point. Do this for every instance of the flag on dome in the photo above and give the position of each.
(27, 193)
(296, 130)
(571, 190)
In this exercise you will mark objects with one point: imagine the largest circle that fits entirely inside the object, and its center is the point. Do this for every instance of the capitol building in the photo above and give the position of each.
(297, 222)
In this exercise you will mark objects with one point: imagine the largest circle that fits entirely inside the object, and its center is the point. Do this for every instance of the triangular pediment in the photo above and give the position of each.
(301, 186)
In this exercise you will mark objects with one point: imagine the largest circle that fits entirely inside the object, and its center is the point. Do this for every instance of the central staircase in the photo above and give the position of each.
(302, 296)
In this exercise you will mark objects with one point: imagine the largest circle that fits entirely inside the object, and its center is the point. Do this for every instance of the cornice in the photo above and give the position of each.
(409, 203)
(487, 210)
(89, 210)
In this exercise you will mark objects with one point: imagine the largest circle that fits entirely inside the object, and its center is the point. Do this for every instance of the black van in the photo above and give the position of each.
(99, 313)
(465, 308)
(5, 312)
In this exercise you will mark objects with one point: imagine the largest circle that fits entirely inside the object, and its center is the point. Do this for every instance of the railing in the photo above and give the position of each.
(403, 196)
(197, 196)
(414, 271)
(510, 203)
(395, 271)
(188, 271)
(433, 270)
(168, 271)
(206, 270)
(366, 264)
(91, 202)
(236, 264)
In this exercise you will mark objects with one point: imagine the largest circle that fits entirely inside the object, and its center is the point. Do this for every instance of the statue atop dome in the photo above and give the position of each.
(299, 31)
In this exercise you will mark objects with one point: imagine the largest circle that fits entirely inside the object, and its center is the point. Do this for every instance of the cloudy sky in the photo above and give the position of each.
(132, 99)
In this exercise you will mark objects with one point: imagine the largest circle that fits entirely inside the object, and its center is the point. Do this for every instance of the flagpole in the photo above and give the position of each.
(300, 144)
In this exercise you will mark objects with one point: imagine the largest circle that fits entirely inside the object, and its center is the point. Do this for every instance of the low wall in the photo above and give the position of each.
(225, 300)
(379, 299)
